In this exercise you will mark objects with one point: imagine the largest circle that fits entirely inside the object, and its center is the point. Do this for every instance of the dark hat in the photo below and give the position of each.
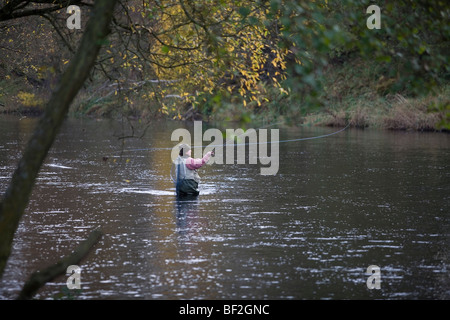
(185, 148)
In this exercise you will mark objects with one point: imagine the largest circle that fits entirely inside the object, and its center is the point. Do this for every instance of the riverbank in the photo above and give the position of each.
(393, 112)
(354, 92)
(361, 93)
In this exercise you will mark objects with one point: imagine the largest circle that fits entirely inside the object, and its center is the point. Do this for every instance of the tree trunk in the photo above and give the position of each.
(16, 197)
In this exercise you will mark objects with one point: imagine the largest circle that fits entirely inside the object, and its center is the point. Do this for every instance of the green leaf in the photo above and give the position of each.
(244, 11)
(383, 58)
(165, 49)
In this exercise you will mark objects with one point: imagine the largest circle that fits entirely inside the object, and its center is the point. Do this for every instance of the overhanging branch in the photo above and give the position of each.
(19, 9)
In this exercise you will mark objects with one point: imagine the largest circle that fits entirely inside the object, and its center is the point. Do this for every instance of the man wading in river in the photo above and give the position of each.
(187, 178)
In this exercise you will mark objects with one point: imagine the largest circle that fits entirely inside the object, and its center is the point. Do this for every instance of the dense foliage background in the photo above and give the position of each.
(307, 61)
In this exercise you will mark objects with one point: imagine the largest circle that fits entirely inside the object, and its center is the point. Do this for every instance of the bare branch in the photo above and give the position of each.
(19, 8)
(39, 278)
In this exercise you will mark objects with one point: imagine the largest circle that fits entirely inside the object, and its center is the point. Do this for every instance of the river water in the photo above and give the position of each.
(337, 205)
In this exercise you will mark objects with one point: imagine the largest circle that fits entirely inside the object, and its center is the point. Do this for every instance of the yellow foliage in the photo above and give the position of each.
(225, 50)
(29, 99)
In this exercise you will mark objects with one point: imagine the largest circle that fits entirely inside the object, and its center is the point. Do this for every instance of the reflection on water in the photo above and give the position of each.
(336, 206)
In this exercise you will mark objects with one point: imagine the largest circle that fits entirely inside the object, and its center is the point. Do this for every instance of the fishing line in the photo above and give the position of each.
(247, 143)
(260, 143)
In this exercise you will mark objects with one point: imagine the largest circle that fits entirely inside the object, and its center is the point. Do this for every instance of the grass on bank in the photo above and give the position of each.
(18, 96)
(360, 93)
(394, 112)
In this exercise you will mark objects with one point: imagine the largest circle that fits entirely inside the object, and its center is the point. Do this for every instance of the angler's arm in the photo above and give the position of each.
(197, 163)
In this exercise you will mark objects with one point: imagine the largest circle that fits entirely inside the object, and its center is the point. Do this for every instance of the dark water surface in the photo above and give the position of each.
(337, 205)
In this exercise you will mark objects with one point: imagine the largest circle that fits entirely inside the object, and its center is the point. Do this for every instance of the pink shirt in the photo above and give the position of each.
(194, 164)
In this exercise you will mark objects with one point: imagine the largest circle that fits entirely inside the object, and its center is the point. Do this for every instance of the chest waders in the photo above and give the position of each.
(185, 183)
